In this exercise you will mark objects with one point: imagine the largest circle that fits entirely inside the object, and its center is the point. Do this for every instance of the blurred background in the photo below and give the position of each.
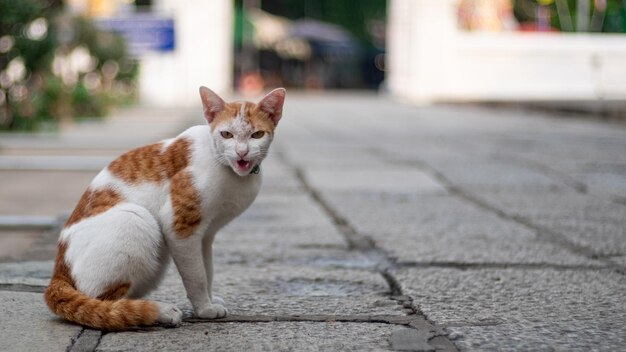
(63, 60)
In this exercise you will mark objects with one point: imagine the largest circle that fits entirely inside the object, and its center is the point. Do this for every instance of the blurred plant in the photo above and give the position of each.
(55, 67)
(608, 16)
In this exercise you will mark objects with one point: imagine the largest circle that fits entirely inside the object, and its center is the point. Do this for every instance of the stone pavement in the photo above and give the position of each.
(380, 227)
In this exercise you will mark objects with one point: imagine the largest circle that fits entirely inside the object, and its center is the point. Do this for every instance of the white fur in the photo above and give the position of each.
(122, 245)
(131, 241)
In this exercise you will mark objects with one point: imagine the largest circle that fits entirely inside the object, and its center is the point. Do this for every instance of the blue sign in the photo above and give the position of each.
(143, 33)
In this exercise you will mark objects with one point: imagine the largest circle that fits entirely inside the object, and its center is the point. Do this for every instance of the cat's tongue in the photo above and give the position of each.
(243, 164)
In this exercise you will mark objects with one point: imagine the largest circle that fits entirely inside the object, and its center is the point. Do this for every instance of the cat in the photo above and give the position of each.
(153, 202)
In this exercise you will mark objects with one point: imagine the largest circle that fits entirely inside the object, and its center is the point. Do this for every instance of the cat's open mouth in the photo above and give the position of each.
(243, 164)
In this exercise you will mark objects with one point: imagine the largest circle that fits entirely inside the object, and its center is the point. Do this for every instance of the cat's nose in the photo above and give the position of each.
(242, 153)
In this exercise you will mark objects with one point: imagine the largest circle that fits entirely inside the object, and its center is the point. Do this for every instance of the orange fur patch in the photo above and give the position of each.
(93, 203)
(61, 270)
(150, 163)
(176, 157)
(185, 205)
(138, 165)
(251, 114)
(229, 112)
(114, 292)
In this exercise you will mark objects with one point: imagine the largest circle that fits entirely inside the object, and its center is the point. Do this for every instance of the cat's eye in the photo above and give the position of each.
(258, 134)
(226, 134)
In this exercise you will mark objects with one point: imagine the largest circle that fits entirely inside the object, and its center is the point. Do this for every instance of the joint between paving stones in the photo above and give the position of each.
(73, 339)
(355, 240)
(22, 288)
(312, 318)
(27, 222)
(484, 266)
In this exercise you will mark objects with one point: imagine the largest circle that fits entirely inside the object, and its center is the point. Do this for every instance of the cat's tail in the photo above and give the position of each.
(67, 302)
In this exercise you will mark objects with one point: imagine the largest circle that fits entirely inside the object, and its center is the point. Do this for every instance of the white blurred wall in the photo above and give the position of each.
(202, 56)
(430, 59)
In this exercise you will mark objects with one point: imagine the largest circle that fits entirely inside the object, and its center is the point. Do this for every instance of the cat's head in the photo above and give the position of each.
(242, 131)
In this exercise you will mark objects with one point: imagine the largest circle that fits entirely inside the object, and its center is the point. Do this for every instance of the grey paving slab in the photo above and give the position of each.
(367, 179)
(14, 243)
(125, 129)
(283, 209)
(527, 310)
(605, 180)
(54, 162)
(601, 175)
(277, 177)
(39, 193)
(278, 289)
(439, 228)
(297, 245)
(33, 273)
(330, 156)
(285, 228)
(27, 325)
(583, 146)
(288, 336)
(27, 222)
(620, 260)
(585, 220)
(495, 176)
(605, 183)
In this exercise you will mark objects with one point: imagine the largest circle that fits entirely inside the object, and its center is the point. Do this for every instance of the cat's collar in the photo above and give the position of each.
(255, 170)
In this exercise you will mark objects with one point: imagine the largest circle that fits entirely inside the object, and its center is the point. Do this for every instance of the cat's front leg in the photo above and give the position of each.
(207, 251)
(188, 257)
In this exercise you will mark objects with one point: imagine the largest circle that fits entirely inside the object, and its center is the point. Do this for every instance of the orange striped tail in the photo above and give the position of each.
(67, 302)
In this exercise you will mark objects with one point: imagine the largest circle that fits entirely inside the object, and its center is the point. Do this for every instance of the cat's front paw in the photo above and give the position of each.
(214, 311)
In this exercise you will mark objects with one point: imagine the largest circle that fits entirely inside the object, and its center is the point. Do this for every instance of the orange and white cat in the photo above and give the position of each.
(161, 200)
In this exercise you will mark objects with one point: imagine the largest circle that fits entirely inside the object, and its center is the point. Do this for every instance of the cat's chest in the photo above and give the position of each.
(225, 196)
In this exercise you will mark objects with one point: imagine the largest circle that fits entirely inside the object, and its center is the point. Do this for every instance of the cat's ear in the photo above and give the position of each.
(272, 104)
(212, 104)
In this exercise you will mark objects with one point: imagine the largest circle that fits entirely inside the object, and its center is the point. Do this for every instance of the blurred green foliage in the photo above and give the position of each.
(610, 15)
(57, 67)
(615, 21)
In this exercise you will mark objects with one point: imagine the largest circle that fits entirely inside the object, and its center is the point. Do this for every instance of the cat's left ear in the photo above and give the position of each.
(212, 104)
(272, 104)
